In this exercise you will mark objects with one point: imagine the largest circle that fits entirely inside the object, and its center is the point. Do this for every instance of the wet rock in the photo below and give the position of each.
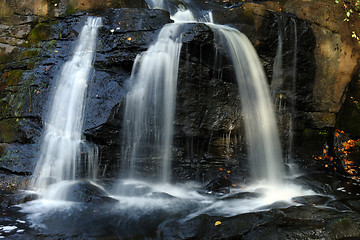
(290, 223)
(242, 195)
(126, 33)
(86, 192)
(18, 158)
(220, 184)
(276, 205)
(10, 198)
(160, 195)
(338, 205)
(312, 200)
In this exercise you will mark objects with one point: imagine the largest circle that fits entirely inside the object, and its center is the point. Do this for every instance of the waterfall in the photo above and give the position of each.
(277, 80)
(261, 130)
(293, 91)
(64, 154)
(150, 104)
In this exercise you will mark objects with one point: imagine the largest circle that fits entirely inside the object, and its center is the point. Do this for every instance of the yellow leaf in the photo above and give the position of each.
(217, 223)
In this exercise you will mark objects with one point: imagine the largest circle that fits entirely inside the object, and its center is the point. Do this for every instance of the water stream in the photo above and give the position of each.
(63, 147)
(261, 129)
(277, 80)
(150, 104)
(293, 91)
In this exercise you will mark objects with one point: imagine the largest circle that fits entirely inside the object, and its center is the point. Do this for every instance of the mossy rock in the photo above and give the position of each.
(6, 58)
(16, 93)
(29, 53)
(11, 78)
(8, 130)
(41, 32)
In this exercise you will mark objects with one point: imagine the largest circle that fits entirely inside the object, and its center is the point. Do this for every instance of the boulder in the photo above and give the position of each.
(86, 192)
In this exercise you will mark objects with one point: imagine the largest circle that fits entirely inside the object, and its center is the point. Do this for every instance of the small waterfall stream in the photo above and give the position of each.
(63, 147)
(293, 91)
(261, 130)
(277, 80)
(150, 104)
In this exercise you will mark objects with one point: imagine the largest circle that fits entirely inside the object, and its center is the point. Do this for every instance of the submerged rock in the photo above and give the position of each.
(83, 191)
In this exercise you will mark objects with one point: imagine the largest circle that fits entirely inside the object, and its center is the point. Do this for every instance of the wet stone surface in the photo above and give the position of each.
(142, 211)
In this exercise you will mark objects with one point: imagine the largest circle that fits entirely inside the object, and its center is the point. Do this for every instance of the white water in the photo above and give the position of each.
(63, 147)
(145, 119)
(262, 137)
(150, 104)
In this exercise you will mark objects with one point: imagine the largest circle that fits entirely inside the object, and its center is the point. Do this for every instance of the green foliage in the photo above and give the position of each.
(352, 11)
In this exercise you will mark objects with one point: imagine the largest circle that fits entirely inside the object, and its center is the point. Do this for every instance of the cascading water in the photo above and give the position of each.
(148, 132)
(150, 105)
(64, 155)
(259, 117)
(277, 80)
